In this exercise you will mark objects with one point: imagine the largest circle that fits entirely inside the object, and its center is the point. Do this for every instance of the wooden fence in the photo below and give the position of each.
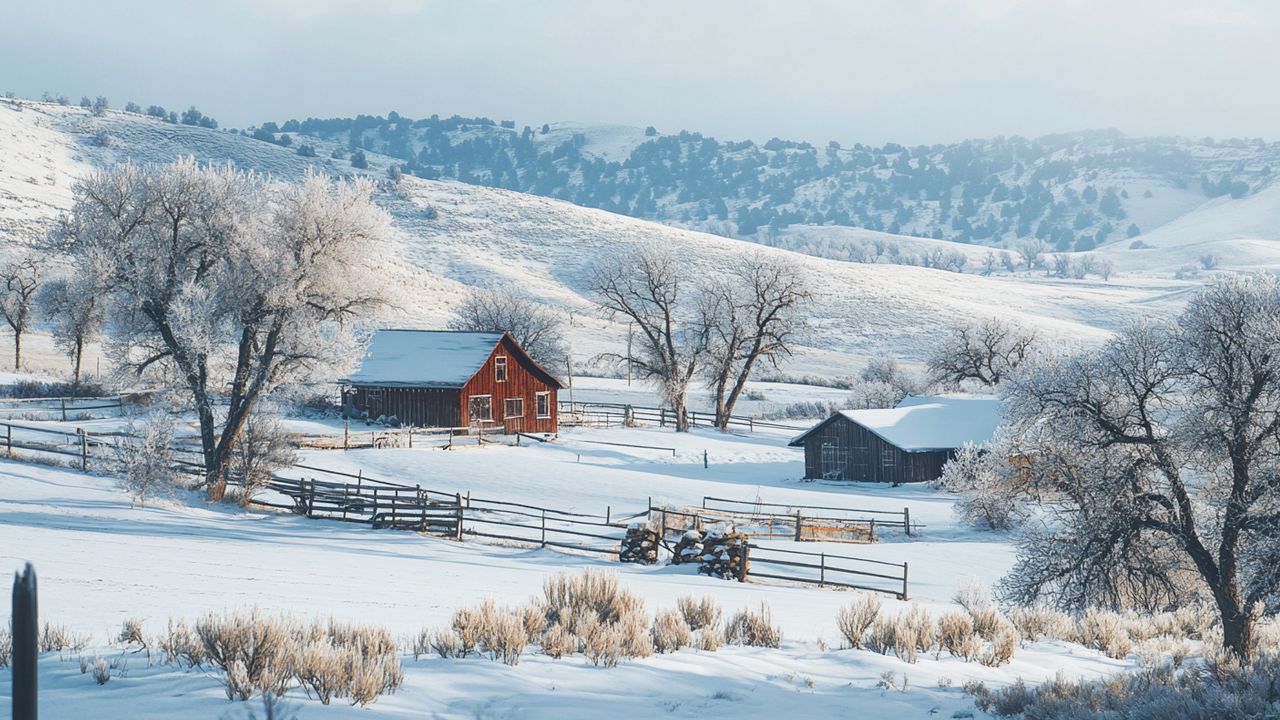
(404, 437)
(621, 414)
(818, 515)
(828, 569)
(59, 406)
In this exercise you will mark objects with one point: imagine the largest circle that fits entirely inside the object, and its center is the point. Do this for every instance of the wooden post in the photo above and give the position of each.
(608, 514)
(410, 437)
(544, 528)
(25, 620)
(311, 498)
(873, 529)
(84, 449)
(906, 520)
(64, 409)
(822, 569)
(904, 581)
(345, 490)
(422, 508)
(8, 440)
(346, 433)
(373, 514)
(664, 523)
(799, 525)
(745, 549)
(458, 530)
(704, 460)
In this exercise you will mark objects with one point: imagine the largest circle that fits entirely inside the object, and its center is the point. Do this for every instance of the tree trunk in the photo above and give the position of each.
(682, 415)
(1237, 629)
(17, 351)
(77, 357)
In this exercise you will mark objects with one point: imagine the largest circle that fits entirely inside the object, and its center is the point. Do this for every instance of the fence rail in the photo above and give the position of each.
(872, 518)
(830, 569)
(609, 414)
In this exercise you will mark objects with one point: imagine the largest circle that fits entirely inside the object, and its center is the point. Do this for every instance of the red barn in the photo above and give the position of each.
(440, 378)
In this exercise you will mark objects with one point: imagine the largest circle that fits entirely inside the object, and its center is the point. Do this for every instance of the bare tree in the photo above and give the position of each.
(76, 311)
(985, 352)
(537, 328)
(672, 336)
(225, 286)
(1031, 249)
(1163, 451)
(263, 449)
(19, 281)
(752, 316)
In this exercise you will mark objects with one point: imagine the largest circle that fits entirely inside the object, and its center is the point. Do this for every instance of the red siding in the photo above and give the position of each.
(523, 381)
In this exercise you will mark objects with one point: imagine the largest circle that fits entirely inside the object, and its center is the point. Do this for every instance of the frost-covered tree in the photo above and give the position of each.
(992, 496)
(647, 289)
(145, 457)
(76, 312)
(752, 316)
(986, 352)
(1162, 452)
(226, 287)
(19, 282)
(537, 328)
(884, 382)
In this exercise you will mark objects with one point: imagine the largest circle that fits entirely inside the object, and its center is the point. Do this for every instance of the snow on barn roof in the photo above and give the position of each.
(424, 358)
(921, 424)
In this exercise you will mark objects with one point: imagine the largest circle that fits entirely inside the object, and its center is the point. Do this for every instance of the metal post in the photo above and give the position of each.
(906, 520)
(25, 620)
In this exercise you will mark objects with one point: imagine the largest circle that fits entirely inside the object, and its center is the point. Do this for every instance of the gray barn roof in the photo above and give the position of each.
(921, 424)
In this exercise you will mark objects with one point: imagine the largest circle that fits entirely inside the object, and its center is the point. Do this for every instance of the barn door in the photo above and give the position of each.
(833, 460)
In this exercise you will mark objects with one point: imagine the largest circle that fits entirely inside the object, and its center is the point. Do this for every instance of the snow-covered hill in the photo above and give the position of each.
(455, 234)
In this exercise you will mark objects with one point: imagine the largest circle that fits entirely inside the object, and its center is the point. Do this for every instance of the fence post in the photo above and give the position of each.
(311, 498)
(906, 520)
(746, 560)
(346, 433)
(799, 525)
(608, 514)
(704, 459)
(8, 440)
(84, 449)
(822, 569)
(64, 409)
(25, 619)
(458, 497)
(873, 529)
(345, 490)
(904, 581)
(373, 514)
(410, 437)
(544, 528)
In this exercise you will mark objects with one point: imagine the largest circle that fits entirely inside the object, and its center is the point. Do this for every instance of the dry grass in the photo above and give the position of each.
(854, 620)
(181, 645)
(699, 613)
(1104, 631)
(59, 638)
(754, 628)
(671, 632)
(956, 636)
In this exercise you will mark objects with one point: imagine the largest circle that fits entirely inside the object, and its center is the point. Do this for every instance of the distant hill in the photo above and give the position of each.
(454, 235)
(1073, 191)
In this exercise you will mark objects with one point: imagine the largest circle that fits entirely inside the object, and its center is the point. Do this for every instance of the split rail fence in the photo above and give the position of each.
(597, 414)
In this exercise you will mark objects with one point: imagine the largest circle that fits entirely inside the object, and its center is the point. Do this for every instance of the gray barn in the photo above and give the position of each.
(908, 443)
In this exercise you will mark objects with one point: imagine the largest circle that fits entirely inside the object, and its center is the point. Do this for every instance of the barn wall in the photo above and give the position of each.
(523, 381)
(868, 457)
(419, 407)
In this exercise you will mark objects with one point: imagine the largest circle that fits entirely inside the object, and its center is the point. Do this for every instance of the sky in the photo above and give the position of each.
(872, 71)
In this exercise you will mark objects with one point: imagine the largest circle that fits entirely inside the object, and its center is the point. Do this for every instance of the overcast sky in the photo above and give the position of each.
(856, 71)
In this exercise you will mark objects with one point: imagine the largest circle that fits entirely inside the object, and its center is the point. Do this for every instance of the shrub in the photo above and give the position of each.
(558, 642)
(180, 644)
(446, 644)
(567, 598)
(253, 650)
(101, 671)
(1003, 642)
(671, 632)
(955, 635)
(1104, 631)
(854, 620)
(145, 456)
(601, 642)
(1034, 624)
(699, 613)
(505, 637)
(753, 628)
(57, 638)
(345, 671)
(262, 449)
(710, 639)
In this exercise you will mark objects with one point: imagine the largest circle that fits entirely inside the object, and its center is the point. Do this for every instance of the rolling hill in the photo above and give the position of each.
(452, 235)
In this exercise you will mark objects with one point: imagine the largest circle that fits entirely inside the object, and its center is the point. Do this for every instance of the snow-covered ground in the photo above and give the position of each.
(101, 559)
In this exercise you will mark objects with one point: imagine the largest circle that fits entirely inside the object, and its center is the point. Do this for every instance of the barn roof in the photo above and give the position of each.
(922, 424)
(424, 358)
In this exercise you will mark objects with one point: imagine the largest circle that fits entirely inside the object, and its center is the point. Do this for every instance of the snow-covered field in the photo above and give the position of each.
(101, 560)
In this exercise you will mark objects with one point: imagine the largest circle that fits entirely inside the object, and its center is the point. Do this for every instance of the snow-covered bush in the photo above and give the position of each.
(855, 619)
(1104, 631)
(1036, 624)
(101, 670)
(989, 487)
(6, 645)
(145, 457)
(253, 650)
(263, 448)
(754, 628)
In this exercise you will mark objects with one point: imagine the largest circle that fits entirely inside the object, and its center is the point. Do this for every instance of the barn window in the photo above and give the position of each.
(514, 408)
(500, 368)
(480, 408)
(543, 404)
(886, 458)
